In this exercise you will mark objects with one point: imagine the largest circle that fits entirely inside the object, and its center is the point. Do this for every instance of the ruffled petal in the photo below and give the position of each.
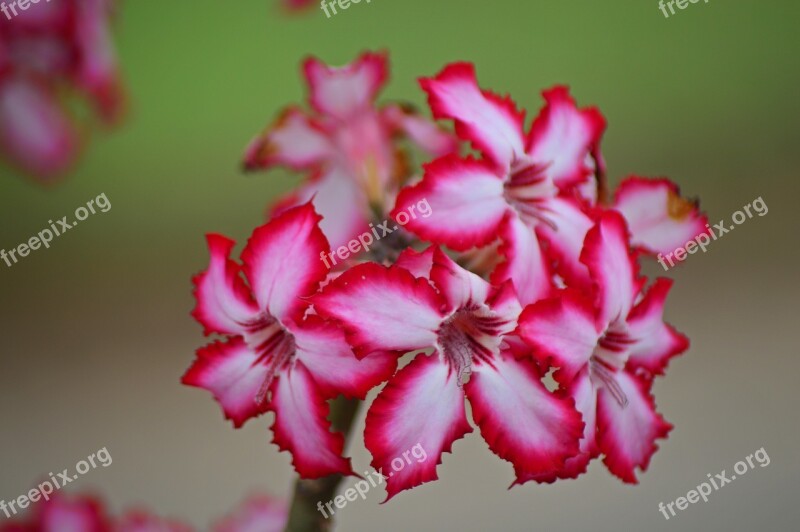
(562, 331)
(654, 342)
(342, 92)
(231, 372)
(565, 238)
(35, 132)
(74, 514)
(659, 219)
(460, 288)
(519, 418)
(224, 304)
(382, 309)
(420, 130)
(463, 200)
(421, 406)
(612, 267)
(419, 263)
(282, 261)
(294, 140)
(492, 124)
(563, 138)
(525, 263)
(322, 348)
(626, 433)
(340, 202)
(302, 428)
(584, 393)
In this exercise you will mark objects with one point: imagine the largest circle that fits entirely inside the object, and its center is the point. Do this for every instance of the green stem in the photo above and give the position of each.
(303, 514)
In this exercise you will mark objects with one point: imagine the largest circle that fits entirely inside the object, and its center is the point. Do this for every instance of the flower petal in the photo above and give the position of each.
(655, 342)
(36, 133)
(519, 418)
(464, 199)
(460, 288)
(322, 348)
(419, 263)
(340, 202)
(344, 91)
(563, 138)
(612, 267)
(224, 304)
(562, 331)
(582, 390)
(294, 140)
(231, 372)
(142, 521)
(302, 428)
(422, 405)
(525, 264)
(659, 219)
(627, 434)
(282, 261)
(382, 309)
(565, 239)
(422, 131)
(257, 514)
(492, 124)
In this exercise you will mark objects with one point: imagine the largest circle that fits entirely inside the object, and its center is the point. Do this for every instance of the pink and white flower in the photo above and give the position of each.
(276, 357)
(607, 346)
(143, 521)
(258, 514)
(427, 301)
(347, 144)
(63, 514)
(659, 219)
(44, 50)
(528, 188)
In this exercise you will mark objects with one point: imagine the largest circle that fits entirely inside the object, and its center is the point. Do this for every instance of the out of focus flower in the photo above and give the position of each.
(258, 514)
(63, 514)
(347, 144)
(52, 55)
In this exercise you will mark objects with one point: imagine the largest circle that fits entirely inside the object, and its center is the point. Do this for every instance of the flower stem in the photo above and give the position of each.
(303, 514)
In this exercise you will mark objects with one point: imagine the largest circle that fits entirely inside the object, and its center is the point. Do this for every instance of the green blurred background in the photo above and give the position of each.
(96, 330)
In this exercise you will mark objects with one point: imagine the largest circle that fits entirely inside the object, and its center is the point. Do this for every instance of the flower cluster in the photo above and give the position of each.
(88, 514)
(49, 53)
(535, 312)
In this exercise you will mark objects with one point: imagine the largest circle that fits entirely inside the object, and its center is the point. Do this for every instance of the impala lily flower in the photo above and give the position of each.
(48, 48)
(528, 184)
(142, 521)
(347, 144)
(607, 349)
(257, 514)
(275, 358)
(659, 219)
(63, 514)
(425, 301)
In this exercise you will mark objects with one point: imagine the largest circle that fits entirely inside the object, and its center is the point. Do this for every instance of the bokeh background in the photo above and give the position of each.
(96, 330)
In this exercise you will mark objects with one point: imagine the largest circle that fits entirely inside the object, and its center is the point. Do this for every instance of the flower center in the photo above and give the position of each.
(471, 332)
(526, 190)
(610, 357)
(275, 347)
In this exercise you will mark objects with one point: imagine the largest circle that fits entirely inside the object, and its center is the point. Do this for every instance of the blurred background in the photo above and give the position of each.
(96, 331)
